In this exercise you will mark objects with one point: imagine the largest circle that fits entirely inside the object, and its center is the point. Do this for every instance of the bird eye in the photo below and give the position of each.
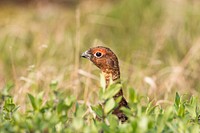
(98, 54)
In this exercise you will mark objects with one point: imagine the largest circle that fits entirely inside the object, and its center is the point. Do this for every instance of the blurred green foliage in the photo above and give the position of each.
(65, 114)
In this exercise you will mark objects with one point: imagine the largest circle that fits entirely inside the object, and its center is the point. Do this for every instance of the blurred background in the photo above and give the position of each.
(157, 43)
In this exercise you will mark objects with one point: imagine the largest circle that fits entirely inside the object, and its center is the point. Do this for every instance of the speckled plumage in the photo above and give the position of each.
(107, 62)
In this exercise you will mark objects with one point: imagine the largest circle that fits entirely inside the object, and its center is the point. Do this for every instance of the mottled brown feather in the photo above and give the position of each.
(107, 62)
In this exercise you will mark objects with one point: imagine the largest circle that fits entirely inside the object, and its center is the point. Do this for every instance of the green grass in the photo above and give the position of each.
(46, 86)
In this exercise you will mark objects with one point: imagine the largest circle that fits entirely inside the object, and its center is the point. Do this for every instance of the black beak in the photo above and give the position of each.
(86, 54)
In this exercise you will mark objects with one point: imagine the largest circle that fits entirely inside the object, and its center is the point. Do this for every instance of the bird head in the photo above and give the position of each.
(104, 59)
(107, 61)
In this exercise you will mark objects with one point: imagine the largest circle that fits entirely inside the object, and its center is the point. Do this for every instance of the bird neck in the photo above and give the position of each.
(111, 75)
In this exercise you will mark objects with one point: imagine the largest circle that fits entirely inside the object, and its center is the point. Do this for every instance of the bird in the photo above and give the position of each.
(106, 60)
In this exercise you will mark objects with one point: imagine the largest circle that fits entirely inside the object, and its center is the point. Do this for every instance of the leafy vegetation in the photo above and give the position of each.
(66, 114)
(46, 87)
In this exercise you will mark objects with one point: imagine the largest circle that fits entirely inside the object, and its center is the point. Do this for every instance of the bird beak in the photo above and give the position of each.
(86, 54)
